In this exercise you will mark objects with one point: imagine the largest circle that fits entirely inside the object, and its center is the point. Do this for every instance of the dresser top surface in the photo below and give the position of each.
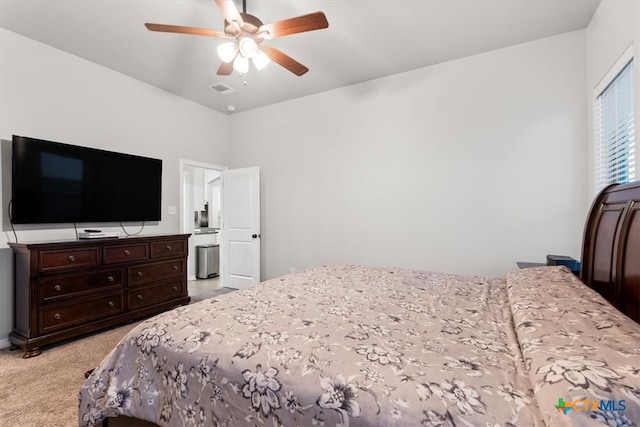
(97, 241)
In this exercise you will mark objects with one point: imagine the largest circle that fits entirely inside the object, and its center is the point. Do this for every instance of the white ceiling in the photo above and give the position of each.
(366, 39)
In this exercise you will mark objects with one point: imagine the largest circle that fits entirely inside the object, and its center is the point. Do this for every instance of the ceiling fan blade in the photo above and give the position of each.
(301, 24)
(284, 60)
(231, 13)
(185, 30)
(225, 69)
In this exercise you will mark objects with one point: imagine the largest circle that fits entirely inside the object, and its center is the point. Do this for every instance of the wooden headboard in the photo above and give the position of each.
(611, 247)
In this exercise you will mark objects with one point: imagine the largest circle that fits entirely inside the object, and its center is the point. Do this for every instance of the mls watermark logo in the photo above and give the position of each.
(584, 405)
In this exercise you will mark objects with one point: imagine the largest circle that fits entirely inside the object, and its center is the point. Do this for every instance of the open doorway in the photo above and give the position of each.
(201, 216)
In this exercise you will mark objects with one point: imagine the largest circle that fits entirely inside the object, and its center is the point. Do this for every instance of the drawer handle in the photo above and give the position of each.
(127, 252)
(110, 304)
(71, 258)
(139, 273)
(58, 288)
(110, 279)
(168, 247)
(175, 288)
(57, 316)
(175, 267)
(139, 296)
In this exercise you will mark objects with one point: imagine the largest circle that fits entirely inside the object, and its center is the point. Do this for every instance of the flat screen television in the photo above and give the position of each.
(62, 183)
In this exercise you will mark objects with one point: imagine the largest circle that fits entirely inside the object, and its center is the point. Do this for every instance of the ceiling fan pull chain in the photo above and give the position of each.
(243, 77)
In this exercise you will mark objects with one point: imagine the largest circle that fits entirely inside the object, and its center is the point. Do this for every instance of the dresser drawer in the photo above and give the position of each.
(67, 259)
(168, 248)
(124, 253)
(79, 313)
(54, 288)
(145, 273)
(144, 296)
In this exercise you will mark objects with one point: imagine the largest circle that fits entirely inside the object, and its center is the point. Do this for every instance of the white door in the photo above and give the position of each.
(240, 248)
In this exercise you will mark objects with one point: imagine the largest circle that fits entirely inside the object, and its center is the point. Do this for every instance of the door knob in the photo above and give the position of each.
(255, 236)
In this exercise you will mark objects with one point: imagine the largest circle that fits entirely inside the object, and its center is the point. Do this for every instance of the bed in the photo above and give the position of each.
(345, 345)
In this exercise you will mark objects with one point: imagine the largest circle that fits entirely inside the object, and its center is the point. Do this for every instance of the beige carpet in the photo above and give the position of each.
(43, 390)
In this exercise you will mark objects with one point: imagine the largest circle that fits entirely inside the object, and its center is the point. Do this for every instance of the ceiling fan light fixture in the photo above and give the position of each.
(260, 60)
(241, 64)
(247, 47)
(227, 51)
(245, 33)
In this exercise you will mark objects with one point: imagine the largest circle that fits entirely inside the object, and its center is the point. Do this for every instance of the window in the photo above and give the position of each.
(615, 160)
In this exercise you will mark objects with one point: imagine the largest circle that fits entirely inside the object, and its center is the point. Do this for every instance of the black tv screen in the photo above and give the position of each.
(57, 183)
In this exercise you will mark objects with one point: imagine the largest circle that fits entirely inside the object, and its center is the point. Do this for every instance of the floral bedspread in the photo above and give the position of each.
(583, 355)
(357, 346)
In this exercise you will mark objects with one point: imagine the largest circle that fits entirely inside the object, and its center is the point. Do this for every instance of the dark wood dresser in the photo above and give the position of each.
(67, 289)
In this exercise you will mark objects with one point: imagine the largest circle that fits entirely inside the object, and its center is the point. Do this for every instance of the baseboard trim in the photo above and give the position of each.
(5, 343)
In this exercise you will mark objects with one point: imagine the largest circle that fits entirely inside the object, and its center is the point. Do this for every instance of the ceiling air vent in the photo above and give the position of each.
(222, 88)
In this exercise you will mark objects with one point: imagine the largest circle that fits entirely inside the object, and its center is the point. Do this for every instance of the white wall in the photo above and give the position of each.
(465, 167)
(49, 94)
(614, 27)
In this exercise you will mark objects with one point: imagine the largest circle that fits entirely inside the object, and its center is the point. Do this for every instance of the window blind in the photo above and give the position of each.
(615, 158)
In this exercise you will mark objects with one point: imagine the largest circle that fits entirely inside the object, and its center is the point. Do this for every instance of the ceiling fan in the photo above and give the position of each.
(248, 32)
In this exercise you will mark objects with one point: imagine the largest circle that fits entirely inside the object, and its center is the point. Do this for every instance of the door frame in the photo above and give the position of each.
(182, 194)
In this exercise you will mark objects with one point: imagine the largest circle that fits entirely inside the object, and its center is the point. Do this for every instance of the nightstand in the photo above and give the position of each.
(522, 264)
